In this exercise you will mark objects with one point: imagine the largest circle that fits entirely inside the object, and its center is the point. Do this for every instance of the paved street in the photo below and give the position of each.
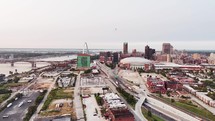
(16, 113)
(138, 107)
(152, 103)
(19, 91)
(44, 99)
(112, 84)
(77, 101)
(168, 110)
(159, 114)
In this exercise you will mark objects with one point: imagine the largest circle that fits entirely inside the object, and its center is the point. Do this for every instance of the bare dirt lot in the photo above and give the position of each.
(59, 102)
(55, 111)
(42, 83)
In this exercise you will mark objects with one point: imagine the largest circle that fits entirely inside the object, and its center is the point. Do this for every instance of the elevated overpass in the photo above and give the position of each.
(159, 106)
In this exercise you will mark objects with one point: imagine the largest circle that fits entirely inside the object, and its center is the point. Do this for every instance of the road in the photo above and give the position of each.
(43, 101)
(19, 91)
(138, 106)
(164, 108)
(169, 110)
(112, 84)
(113, 88)
(77, 100)
(159, 114)
(16, 113)
(153, 103)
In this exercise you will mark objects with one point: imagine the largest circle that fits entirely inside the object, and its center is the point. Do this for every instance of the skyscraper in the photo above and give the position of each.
(115, 57)
(149, 52)
(125, 48)
(167, 48)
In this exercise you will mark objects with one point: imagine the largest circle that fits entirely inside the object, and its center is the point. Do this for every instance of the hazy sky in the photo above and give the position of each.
(187, 24)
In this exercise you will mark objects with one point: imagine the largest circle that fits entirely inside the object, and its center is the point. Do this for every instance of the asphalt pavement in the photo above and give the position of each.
(77, 101)
(159, 114)
(16, 113)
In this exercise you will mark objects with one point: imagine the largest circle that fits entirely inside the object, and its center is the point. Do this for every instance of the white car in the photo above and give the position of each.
(29, 101)
(5, 116)
(10, 104)
(20, 104)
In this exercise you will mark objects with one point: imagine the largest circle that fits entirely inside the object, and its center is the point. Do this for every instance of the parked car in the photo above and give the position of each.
(5, 116)
(29, 101)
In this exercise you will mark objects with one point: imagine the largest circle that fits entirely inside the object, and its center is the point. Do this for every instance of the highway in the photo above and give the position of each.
(169, 110)
(43, 101)
(159, 114)
(138, 110)
(112, 84)
(151, 102)
(17, 113)
(19, 91)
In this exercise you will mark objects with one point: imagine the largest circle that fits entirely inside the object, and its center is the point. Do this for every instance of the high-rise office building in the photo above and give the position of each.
(125, 48)
(149, 52)
(115, 57)
(167, 48)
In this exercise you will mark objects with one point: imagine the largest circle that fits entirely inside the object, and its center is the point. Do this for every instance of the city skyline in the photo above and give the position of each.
(107, 60)
(107, 24)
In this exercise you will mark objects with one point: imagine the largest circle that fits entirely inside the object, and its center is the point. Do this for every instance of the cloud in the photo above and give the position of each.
(69, 23)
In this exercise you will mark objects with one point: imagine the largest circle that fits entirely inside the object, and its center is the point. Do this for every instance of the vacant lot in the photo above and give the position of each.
(54, 111)
(56, 97)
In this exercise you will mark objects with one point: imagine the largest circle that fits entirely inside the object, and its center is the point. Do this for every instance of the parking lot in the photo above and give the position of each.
(16, 113)
(91, 107)
(92, 81)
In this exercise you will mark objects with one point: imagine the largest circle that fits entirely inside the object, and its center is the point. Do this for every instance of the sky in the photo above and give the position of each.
(186, 24)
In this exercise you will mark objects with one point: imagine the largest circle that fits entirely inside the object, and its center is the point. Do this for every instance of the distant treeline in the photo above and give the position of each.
(205, 52)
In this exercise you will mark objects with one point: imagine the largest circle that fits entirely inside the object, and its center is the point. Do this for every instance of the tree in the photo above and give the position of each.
(160, 95)
(16, 71)
(16, 79)
(204, 89)
(149, 113)
(168, 93)
(88, 71)
(172, 100)
(11, 72)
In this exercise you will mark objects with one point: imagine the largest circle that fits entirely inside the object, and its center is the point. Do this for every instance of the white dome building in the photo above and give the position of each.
(135, 63)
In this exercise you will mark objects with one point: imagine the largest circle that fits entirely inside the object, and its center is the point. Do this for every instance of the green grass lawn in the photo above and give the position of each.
(9, 85)
(57, 93)
(198, 111)
(152, 118)
(4, 97)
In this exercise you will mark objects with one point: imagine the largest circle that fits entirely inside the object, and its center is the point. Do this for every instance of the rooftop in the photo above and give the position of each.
(135, 60)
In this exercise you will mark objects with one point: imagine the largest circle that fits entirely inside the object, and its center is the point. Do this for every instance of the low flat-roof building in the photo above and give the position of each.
(173, 85)
(116, 109)
(156, 85)
(201, 95)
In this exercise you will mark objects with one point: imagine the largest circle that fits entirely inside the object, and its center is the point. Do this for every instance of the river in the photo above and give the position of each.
(25, 66)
